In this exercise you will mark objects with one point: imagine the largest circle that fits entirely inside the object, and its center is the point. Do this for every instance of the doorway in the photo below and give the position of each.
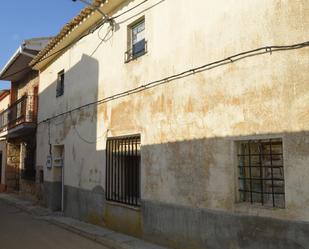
(58, 165)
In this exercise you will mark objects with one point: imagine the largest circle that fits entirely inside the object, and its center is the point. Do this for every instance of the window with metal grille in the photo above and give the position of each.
(60, 84)
(123, 170)
(261, 176)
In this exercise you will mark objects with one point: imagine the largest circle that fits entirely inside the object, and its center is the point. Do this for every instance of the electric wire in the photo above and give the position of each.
(125, 12)
(96, 26)
(230, 59)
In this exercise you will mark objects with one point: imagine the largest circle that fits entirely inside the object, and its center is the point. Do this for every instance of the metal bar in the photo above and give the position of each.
(116, 174)
(272, 172)
(122, 168)
(137, 171)
(122, 174)
(261, 172)
(242, 148)
(250, 171)
(126, 171)
(266, 167)
(258, 178)
(275, 154)
(258, 192)
(112, 170)
(130, 159)
(118, 170)
(107, 151)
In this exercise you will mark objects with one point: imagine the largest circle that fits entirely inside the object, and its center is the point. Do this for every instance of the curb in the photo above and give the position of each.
(110, 243)
(105, 242)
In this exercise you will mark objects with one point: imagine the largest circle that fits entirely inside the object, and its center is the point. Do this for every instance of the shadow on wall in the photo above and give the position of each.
(185, 181)
(76, 132)
(181, 181)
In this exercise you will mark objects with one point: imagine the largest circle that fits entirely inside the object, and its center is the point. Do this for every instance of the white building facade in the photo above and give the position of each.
(184, 123)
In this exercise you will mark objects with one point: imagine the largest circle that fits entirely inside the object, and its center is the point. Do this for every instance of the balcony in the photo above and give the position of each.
(20, 118)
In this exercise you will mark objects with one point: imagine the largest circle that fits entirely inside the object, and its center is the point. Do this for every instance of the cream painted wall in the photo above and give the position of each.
(4, 103)
(188, 126)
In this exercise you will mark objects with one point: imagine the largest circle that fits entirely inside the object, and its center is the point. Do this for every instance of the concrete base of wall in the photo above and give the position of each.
(184, 227)
(52, 195)
(85, 204)
(28, 189)
(123, 219)
(188, 228)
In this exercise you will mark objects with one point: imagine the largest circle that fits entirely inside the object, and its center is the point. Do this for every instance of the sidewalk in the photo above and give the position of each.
(101, 235)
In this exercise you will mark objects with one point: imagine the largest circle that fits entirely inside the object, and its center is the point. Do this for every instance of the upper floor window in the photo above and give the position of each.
(137, 43)
(60, 84)
(261, 176)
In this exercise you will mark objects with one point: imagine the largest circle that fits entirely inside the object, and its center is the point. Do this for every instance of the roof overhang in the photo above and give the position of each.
(72, 31)
(18, 65)
(21, 130)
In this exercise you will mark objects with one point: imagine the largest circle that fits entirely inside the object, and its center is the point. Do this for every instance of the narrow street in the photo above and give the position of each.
(19, 229)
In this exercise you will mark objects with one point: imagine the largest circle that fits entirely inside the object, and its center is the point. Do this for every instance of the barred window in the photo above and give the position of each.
(261, 176)
(123, 170)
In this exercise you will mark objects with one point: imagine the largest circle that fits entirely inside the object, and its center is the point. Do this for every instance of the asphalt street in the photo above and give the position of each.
(20, 230)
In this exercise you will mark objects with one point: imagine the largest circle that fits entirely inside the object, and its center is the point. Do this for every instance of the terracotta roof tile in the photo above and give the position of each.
(84, 13)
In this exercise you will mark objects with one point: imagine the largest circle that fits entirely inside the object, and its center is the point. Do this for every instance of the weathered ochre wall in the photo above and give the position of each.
(4, 103)
(188, 126)
(25, 85)
(12, 171)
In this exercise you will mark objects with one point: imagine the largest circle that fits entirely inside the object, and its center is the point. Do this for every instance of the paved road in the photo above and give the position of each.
(20, 230)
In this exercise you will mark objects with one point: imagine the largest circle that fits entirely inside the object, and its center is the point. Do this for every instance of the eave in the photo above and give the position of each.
(72, 32)
(18, 65)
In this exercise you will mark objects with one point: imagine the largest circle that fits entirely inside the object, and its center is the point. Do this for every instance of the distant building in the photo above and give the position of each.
(18, 120)
(4, 103)
(182, 122)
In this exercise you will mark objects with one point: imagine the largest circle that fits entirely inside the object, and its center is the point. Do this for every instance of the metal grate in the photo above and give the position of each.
(123, 170)
(261, 176)
(21, 111)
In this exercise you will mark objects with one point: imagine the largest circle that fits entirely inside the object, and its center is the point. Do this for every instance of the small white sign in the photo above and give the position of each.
(49, 162)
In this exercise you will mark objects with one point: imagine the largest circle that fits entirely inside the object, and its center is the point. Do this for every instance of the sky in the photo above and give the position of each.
(25, 19)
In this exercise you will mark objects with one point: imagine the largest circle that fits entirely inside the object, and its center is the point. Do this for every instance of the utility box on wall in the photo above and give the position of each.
(49, 162)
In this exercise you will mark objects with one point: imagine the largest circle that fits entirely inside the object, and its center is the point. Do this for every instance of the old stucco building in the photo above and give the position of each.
(182, 122)
(18, 119)
(4, 104)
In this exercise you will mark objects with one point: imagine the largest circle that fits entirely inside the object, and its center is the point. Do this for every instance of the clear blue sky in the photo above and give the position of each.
(24, 19)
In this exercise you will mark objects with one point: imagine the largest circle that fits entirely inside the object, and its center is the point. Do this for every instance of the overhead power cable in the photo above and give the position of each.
(99, 24)
(230, 59)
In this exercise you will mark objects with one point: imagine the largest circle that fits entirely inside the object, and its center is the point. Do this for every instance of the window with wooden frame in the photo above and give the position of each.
(60, 84)
(137, 45)
(123, 170)
(261, 172)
